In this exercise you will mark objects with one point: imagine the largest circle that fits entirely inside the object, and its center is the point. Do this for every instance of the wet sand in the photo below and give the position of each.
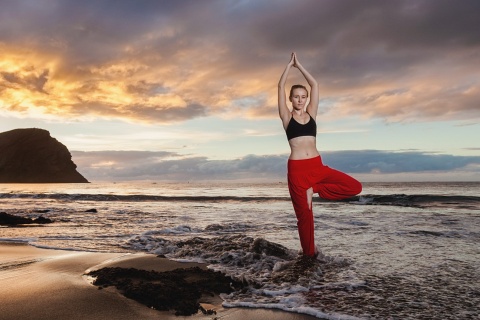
(51, 284)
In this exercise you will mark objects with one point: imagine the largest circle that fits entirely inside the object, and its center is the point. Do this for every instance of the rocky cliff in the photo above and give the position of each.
(33, 156)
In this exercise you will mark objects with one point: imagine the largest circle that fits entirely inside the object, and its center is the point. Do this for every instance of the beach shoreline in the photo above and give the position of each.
(52, 284)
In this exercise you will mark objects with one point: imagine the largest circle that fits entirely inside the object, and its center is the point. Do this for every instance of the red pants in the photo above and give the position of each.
(328, 183)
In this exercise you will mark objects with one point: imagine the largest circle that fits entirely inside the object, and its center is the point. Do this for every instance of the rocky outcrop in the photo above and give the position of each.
(33, 156)
(7, 219)
(179, 289)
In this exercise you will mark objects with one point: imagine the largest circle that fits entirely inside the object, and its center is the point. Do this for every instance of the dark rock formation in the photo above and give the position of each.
(261, 245)
(33, 156)
(12, 220)
(179, 289)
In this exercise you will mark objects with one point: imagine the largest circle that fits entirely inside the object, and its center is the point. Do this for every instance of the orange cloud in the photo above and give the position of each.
(32, 85)
(171, 63)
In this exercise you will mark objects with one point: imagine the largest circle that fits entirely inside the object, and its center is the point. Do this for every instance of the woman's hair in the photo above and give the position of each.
(296, 86)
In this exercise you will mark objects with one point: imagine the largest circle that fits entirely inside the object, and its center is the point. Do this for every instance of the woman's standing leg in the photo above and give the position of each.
(299, 172)
(298, 194)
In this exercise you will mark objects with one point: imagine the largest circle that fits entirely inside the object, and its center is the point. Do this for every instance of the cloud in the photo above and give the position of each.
(29, 81)
(143, 165)
(170, 61)
(376, 161)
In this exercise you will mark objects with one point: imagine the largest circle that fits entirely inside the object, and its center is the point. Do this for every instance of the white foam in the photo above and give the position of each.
(18, 240)
(197, 260)
(364, 200)
(296, 309)
(281, 265)
(181, 229)
(283, 291)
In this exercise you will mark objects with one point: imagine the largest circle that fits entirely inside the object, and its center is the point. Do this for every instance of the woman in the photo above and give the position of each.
(306, 173)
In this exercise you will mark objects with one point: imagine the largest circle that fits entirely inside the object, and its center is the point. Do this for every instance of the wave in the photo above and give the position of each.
(134, 198)
(404, 200)
(328, 287)
(274, 276)
(421, 201)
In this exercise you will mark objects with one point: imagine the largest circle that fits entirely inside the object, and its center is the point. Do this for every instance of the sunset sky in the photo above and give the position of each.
(187, 90)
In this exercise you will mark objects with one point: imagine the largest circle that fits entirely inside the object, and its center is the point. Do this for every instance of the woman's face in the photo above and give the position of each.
(299, 98)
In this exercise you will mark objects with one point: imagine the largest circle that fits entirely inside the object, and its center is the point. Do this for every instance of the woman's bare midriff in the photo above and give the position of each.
(304, 147)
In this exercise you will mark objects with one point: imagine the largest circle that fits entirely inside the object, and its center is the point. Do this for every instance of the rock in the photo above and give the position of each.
(91, 210)
(42, 210)
(12, 220)
(33, 156)
(42, 220)
(261, 245)
(179, 289)
(9, 219)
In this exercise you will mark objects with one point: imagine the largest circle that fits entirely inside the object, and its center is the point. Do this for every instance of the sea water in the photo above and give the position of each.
(399, 250)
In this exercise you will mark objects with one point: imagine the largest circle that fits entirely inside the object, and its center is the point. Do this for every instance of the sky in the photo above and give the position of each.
(187, 90)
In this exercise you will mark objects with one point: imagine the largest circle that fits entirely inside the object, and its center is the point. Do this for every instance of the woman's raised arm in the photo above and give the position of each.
(312, 107)
(283, 110)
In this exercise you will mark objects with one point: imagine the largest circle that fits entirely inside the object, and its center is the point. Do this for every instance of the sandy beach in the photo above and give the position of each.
(51, 284)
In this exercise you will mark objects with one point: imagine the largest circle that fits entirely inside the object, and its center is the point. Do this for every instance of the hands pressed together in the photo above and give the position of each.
(294, 61)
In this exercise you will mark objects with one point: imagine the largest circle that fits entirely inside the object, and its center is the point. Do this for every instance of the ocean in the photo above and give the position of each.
(397, 251)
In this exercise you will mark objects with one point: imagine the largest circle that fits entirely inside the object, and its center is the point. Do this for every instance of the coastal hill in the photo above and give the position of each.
(33, 156)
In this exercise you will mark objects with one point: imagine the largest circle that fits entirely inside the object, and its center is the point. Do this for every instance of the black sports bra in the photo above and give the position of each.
(295, 129)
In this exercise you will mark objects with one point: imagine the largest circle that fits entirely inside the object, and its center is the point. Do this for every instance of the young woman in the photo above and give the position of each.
(306, 172)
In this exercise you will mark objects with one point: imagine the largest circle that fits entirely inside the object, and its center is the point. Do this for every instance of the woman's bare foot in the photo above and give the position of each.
(310, 197)
(318, 254)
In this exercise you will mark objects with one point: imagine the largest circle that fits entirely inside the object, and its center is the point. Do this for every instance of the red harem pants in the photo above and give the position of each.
(329, 183)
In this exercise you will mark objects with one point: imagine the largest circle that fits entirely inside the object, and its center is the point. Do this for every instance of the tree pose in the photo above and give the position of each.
(306, 172)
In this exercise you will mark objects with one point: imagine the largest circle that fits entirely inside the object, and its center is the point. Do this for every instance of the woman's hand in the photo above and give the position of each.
(296, 63)
(291, 63)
